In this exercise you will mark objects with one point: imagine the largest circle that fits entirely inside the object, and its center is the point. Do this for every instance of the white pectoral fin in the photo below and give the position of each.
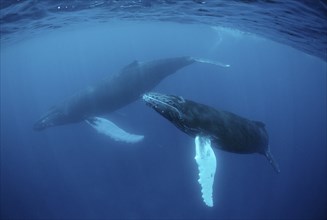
(206, 160)
(213, 62)
(108, 128)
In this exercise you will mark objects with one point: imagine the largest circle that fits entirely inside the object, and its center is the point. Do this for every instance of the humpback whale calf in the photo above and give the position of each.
(226, 130)
(113, 93)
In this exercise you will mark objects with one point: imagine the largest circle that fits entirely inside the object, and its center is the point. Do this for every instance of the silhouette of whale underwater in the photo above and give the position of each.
(226, 130)
(112, 93)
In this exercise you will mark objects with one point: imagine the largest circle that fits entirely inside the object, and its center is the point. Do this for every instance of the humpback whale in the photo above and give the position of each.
(225, 130)
(112, 93)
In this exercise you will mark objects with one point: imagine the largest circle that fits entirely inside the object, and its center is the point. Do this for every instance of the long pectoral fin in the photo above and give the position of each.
(108, 128)
(213, 62)
(206, 160)
(272, 161)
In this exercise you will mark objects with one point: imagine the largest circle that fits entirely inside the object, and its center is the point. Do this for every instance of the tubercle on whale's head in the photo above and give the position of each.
(52, 118)
(169, 106)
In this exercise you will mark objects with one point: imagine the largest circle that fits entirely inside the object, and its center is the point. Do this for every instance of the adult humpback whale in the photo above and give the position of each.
(113, 93)
(228, 131)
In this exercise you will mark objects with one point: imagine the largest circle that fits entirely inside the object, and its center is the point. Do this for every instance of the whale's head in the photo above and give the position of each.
(169, 106)
(52, 118)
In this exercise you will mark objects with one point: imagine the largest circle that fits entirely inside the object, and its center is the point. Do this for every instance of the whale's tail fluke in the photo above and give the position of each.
(272, 161)
(207, 61)
(110, 129)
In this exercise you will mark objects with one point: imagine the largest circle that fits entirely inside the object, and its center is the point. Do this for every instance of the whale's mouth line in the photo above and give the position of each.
(42, 124)
(153, 101)
(52, 118)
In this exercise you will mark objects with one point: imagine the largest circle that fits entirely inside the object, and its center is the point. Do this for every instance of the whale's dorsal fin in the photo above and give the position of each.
(108, 128)
(206, 160)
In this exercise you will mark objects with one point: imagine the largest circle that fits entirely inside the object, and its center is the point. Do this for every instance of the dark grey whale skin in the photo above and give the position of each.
(226, 130)
(113, 92)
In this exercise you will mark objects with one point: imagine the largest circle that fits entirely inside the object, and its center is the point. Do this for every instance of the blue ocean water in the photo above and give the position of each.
(72, 172)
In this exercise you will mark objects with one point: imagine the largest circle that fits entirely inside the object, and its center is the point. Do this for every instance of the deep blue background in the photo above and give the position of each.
(74, 172)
